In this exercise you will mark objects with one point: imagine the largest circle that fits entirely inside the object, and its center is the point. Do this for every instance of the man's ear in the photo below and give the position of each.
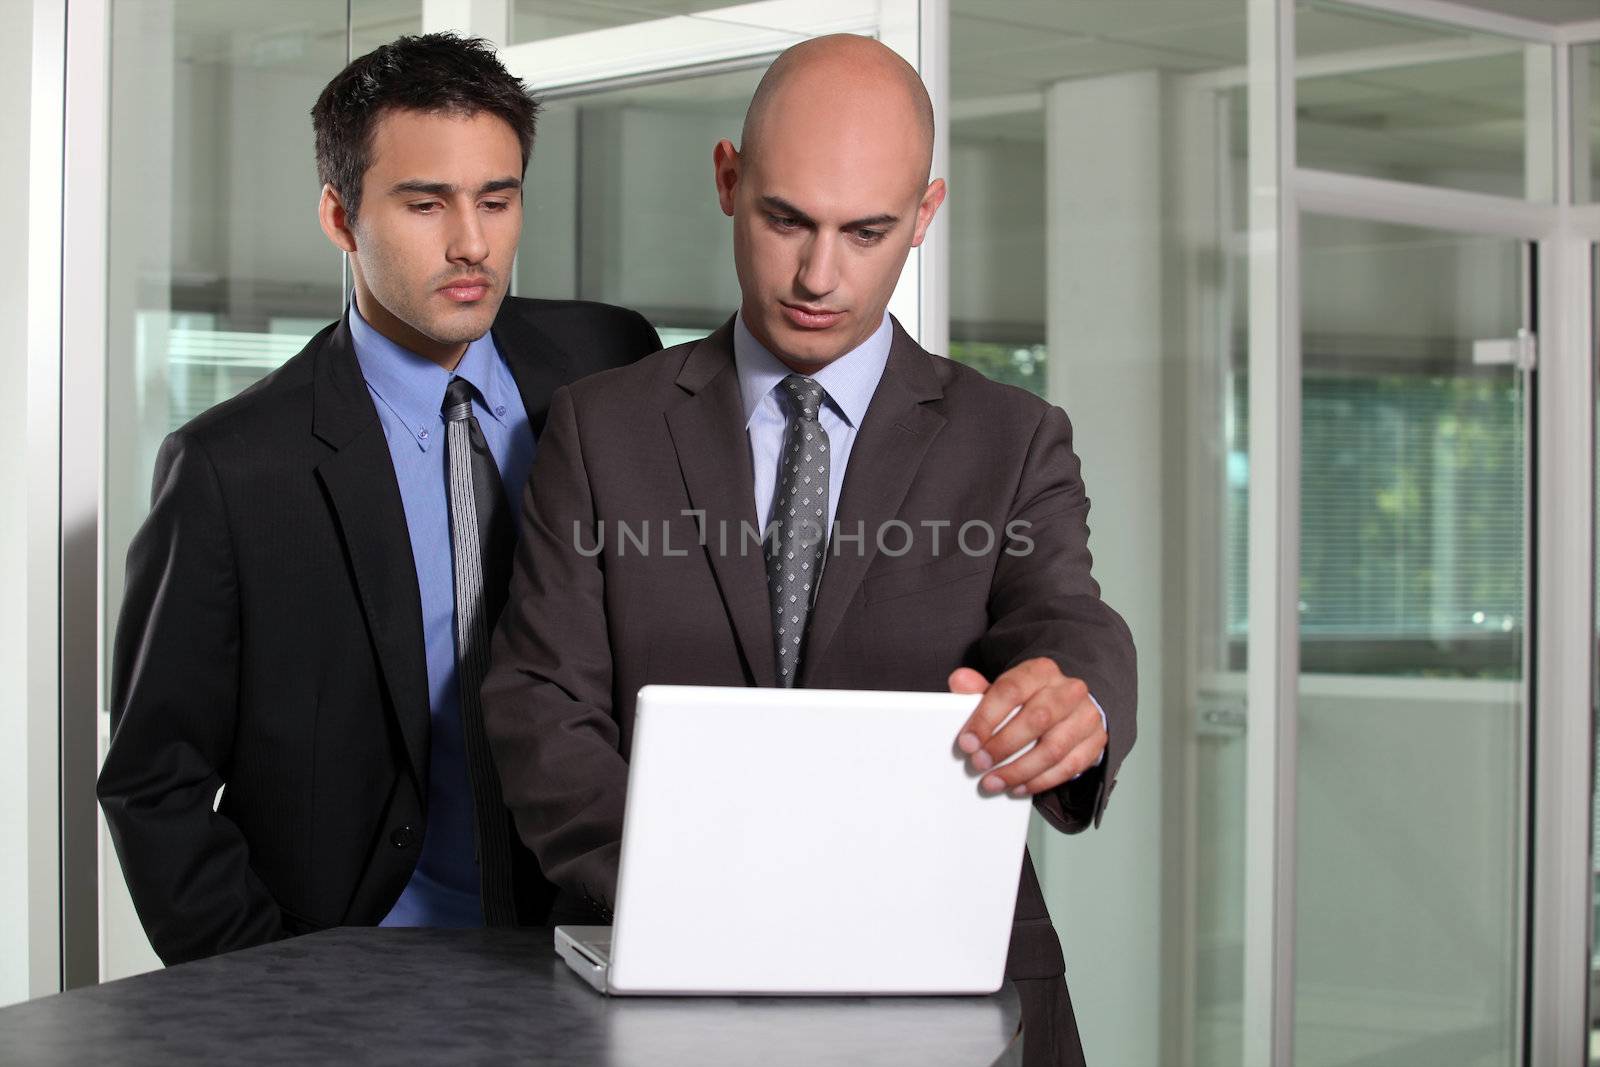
(725, 162)
(932, 197)
(335, 220)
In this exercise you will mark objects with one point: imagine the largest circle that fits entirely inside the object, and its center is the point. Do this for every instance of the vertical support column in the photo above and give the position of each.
(1556, 1018)
(1557, 1021)
(82, 445)
(1272, 687)
(1105, 337)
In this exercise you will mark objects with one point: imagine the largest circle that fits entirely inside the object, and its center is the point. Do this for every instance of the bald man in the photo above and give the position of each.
(810, 435)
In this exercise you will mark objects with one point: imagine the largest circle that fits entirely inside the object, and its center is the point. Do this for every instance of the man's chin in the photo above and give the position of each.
(463, 325)
(812, 348)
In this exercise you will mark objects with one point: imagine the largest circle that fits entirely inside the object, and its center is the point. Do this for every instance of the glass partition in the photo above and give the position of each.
(1413, 720)
(1098, 232)
(1394, 98)
(620, 185)
(218, 271)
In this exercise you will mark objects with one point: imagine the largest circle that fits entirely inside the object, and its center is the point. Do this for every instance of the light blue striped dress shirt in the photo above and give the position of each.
(408, 391)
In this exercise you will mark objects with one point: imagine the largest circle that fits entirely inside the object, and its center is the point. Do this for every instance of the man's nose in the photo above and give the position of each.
(468, 242)
(819, 268)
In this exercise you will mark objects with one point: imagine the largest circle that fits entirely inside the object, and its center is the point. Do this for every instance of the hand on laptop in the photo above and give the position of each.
(1058, 719)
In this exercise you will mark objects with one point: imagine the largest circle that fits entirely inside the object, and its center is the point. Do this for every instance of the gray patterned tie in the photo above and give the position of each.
(481, 541)
(798, 533)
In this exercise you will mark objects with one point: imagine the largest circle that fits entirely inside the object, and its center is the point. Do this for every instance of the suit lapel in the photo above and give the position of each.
(713, 450)
(360, 482)
(537, 364)
(888, 450)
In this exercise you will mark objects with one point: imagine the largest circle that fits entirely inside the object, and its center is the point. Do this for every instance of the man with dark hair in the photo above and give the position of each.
(308, 602)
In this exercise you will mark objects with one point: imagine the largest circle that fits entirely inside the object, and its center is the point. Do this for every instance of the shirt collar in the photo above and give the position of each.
(413, 386)
(849, 380)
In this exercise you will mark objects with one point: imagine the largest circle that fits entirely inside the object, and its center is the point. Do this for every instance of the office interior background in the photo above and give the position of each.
(1317, 283)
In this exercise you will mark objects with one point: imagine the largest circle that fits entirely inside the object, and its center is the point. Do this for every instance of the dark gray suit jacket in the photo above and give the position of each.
(662, 445)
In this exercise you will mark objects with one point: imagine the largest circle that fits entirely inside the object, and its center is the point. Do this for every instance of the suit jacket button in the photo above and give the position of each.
(404, 837)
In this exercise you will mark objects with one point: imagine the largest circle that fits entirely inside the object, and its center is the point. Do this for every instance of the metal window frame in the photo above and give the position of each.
(40, 601)
(82, 457)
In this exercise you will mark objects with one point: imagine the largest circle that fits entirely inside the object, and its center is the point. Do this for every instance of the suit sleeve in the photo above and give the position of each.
(1044, 602)
(174, 698)
(547, 698)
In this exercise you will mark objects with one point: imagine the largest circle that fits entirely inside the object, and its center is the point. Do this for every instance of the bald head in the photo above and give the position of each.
(829, 193)
(842, 77)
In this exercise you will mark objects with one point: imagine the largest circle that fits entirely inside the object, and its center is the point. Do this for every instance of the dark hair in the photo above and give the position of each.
(431, 72)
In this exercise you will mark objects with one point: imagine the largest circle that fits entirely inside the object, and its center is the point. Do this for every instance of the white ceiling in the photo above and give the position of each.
(1464, 113)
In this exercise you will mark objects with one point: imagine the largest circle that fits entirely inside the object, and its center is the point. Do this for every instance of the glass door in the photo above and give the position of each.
(1413, 717)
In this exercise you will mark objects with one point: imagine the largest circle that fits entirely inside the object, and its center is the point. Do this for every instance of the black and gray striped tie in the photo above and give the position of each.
(481, 539)
(798, 538)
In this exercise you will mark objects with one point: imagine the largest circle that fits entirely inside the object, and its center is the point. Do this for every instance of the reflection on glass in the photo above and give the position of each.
(620, 186)
(1409, 101)
(218, 270)
(375, 22)
(997, 266)
(1093, 227)
(535, 20)
(1412, 543)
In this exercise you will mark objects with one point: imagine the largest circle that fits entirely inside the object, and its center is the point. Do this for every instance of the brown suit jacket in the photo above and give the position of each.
(660, 447)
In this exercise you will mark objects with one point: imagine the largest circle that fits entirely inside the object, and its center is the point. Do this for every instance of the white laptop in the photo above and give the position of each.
(805, 842)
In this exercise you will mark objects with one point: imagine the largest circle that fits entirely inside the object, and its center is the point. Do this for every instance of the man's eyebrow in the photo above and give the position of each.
(417, 185)
(783, 207)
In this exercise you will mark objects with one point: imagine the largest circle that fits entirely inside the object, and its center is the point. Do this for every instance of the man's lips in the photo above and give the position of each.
(810, 318)
(466, 290)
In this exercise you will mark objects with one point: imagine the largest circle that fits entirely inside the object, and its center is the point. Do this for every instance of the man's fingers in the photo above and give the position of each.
(1051, 746)
(1042, 710)
(1009, 690)
(967, 680)
(1080, 760)
(1048, 750)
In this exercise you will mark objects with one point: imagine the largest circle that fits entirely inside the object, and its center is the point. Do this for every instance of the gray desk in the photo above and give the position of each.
(476, 997)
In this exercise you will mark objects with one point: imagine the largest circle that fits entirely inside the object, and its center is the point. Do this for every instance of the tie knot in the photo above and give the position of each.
(806, 394)
(457, 406)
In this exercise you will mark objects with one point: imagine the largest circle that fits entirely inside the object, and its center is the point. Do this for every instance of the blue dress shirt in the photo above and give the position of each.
(408, 391)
